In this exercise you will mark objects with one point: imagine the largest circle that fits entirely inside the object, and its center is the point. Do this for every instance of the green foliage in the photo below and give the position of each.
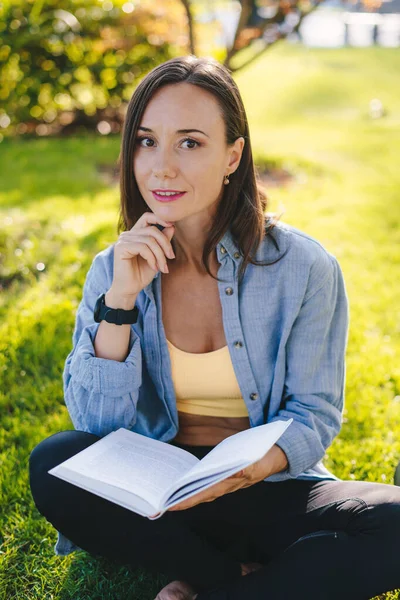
(61, 57)
(344, 193)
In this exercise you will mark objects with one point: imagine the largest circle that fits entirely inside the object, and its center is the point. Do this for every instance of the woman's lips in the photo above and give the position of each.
(167, 198)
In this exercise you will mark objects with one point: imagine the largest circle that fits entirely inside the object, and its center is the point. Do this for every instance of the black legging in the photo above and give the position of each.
(317, 540)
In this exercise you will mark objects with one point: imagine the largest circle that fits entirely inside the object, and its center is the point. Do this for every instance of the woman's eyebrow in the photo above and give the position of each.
(178, 131)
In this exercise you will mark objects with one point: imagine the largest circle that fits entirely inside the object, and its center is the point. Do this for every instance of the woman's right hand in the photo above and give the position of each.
(139, 253)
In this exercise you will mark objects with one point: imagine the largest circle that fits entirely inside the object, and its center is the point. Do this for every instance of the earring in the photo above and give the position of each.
(226, 179)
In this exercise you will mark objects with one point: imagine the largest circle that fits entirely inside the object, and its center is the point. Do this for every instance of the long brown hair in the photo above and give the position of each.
(244, 202)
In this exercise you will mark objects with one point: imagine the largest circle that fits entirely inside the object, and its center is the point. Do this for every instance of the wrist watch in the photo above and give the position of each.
(118, 316)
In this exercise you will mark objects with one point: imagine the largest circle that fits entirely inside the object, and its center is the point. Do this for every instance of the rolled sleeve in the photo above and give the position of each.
(315, 369)
(101, 394)
(101, 375)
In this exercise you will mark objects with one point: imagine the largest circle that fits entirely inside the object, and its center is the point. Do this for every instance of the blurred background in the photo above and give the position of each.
(74, 64)
(321, 86)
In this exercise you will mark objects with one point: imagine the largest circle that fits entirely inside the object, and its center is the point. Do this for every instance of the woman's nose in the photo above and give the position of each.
(164, 164)
(162, 172)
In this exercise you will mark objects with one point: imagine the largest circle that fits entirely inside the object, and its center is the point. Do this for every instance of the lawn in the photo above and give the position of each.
(309, 113)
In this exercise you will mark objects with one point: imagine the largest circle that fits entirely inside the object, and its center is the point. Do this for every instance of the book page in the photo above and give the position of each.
(192, 488)
(109, 492)
(133, 462)
(238, 450)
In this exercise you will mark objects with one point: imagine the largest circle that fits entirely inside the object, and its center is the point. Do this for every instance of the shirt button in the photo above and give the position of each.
(228, 291)
(253, 396)
(237, 255)
(223, 250)
(238, 344)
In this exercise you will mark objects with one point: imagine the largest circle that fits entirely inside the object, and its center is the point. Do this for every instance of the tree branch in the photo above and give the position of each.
(255, 56)
(192, 45)
(243, 19)
(263, 28)
(244, 40)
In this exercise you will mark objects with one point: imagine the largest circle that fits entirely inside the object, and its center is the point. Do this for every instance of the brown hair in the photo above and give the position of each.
(244, 202)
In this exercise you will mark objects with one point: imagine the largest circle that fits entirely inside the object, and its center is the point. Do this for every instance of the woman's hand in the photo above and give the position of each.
(272, 462)
(139, 253)
(231, 484)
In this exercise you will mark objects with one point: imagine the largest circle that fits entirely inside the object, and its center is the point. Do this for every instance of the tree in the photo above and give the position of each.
(259, 26)
(71, 63)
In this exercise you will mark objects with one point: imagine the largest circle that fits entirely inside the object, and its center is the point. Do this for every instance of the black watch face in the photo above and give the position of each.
(97, 308)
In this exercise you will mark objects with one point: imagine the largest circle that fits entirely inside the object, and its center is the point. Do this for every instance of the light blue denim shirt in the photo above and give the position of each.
(291, 319)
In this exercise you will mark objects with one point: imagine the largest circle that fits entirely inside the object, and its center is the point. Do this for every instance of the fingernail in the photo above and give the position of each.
(166, 270)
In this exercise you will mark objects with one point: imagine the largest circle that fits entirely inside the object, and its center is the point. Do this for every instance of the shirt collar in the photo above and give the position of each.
(275, 247)
(226, 246)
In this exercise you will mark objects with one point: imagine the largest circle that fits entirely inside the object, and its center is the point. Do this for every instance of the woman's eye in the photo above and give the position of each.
(187, 140)
(140, 140)
(191, 142)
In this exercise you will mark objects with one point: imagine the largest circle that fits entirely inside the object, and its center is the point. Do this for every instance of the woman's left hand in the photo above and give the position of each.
(272, 462)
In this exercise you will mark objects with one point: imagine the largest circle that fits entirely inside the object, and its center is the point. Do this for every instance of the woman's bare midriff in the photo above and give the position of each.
(203, 430)
(192, 319)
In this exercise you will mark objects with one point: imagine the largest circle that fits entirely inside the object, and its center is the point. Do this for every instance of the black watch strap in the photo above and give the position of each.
(117, 316)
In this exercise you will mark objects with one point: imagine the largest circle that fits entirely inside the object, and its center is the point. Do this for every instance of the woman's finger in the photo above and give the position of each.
(160, 240)
(153, 232)
(136, 247)
(149, 218)
(155, 248)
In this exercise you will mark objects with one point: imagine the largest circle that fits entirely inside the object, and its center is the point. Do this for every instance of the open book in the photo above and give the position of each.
(149, 477)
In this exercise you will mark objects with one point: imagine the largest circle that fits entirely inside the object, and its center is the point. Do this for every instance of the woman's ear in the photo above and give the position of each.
(235, 154)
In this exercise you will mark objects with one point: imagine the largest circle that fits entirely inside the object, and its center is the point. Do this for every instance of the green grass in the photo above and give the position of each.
(308, 111)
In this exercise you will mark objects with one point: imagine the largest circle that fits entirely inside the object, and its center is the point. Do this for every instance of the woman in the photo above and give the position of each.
(218, 320)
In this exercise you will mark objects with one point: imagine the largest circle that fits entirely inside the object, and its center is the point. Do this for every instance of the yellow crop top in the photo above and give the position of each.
(205, 384)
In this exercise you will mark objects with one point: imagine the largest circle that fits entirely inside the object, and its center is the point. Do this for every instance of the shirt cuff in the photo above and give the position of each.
(102, 375)
(301, 446)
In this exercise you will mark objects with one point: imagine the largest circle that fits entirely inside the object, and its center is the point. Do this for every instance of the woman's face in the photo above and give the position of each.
(193, 162)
